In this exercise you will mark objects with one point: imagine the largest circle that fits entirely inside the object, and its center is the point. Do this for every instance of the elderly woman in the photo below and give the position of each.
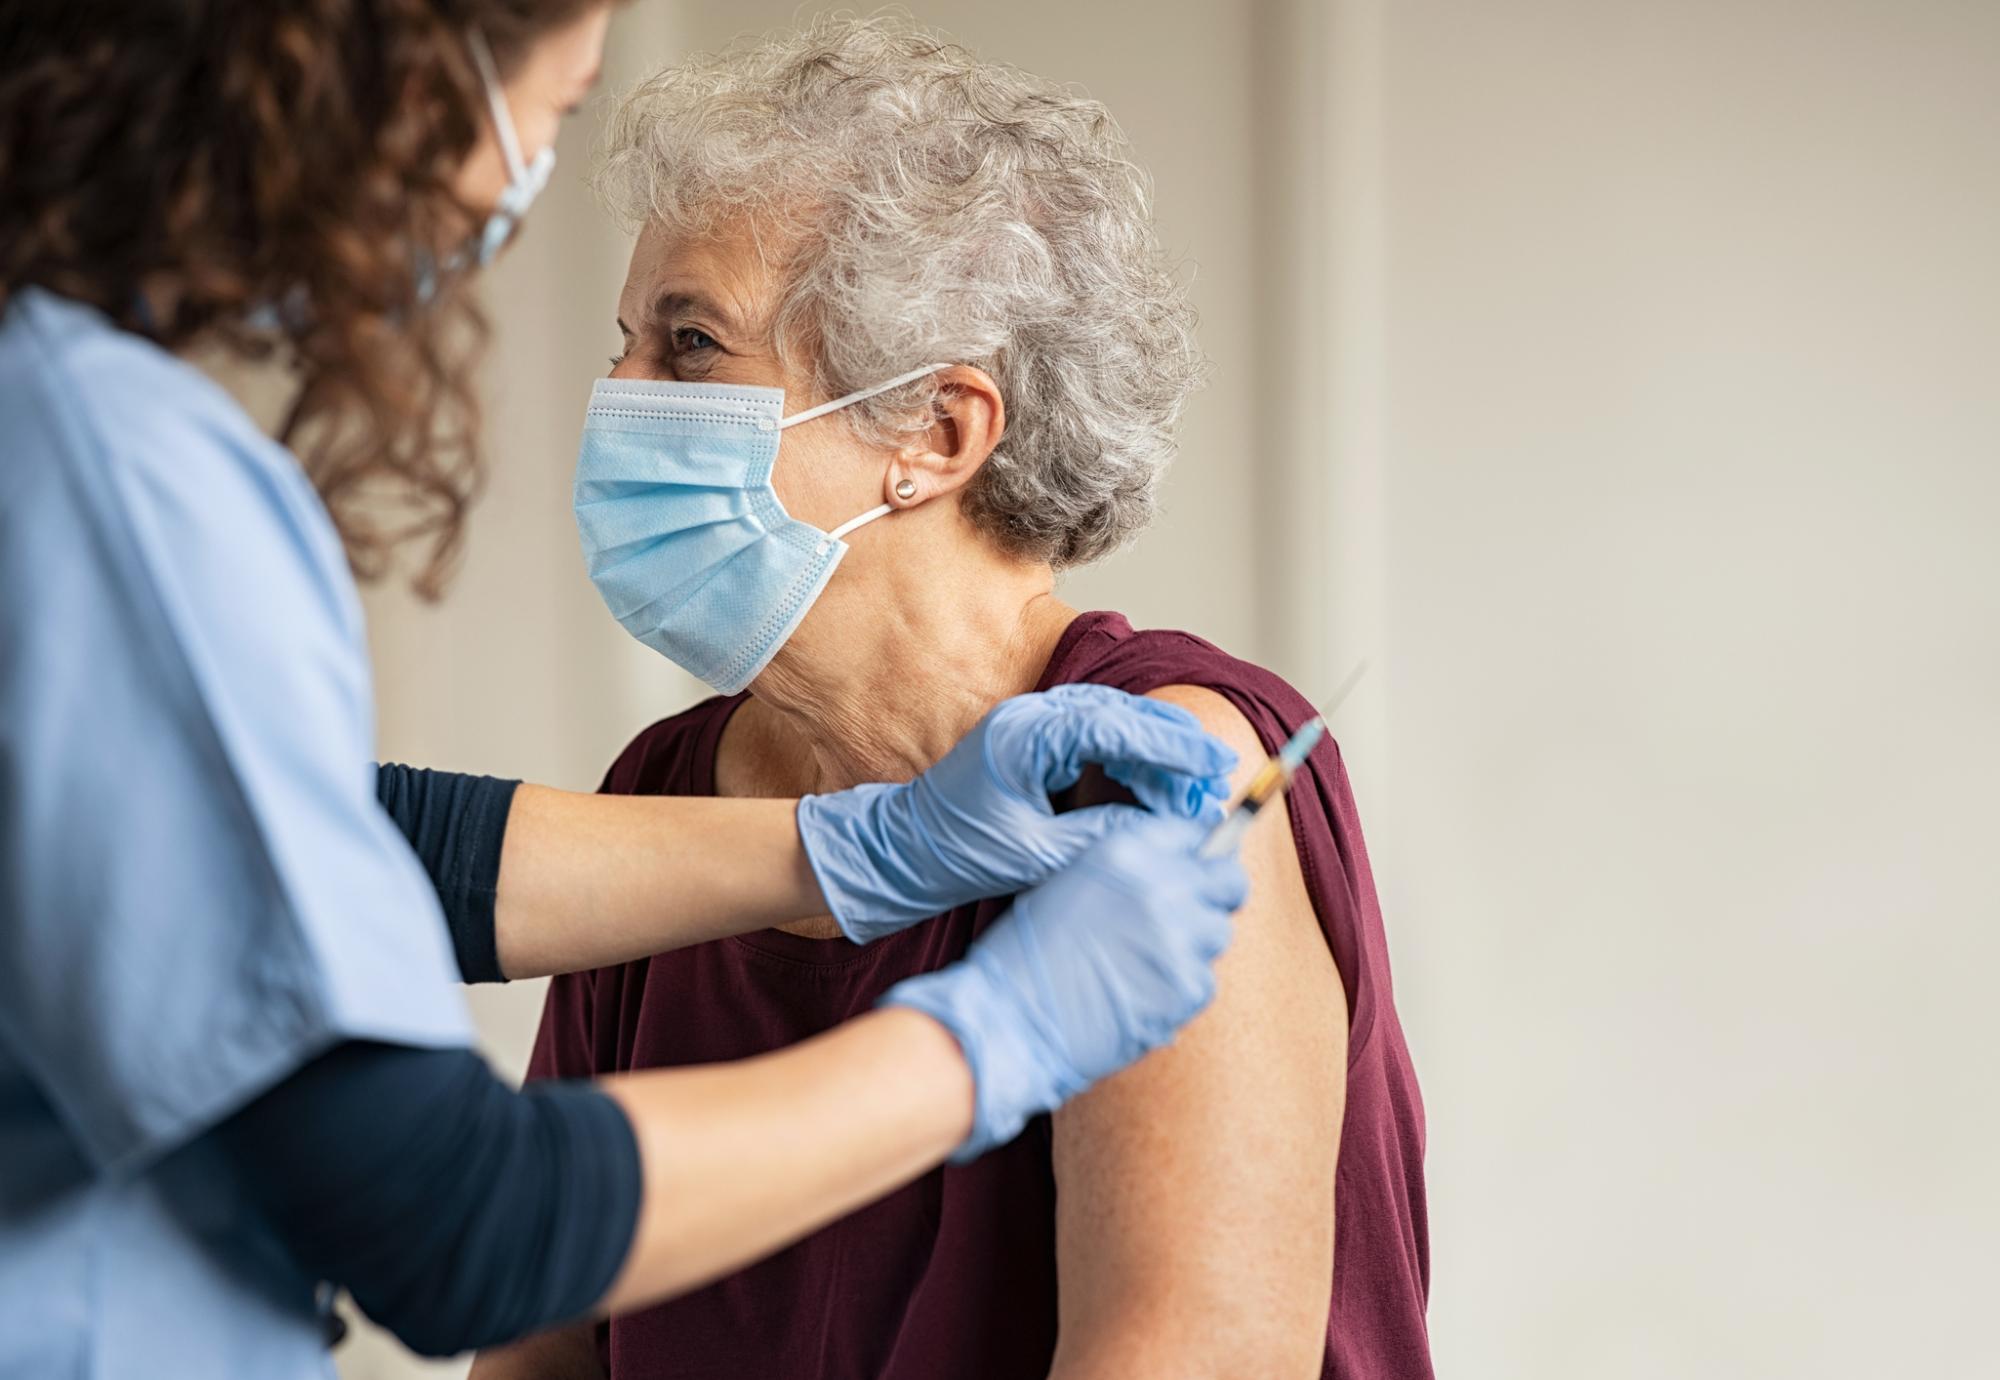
(822, 213)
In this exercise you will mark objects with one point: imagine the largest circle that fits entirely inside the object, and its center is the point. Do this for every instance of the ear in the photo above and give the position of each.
(967, 426)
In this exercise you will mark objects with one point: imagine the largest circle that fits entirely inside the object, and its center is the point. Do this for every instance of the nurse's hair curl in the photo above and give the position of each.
(256, 176)
(930, 206)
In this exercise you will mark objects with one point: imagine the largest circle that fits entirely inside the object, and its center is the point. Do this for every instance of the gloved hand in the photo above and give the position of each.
(979, 823)
(1090, 970)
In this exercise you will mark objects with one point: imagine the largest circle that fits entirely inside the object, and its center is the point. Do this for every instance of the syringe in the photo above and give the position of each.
(1275, 776)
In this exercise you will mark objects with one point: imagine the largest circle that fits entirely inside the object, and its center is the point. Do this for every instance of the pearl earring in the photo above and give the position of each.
(906, 488)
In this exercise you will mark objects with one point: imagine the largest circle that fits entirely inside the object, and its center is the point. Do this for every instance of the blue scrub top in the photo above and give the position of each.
(198, 890)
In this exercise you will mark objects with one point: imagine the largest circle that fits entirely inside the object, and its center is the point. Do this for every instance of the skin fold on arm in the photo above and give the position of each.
(1195, 1190)
(566, 1353)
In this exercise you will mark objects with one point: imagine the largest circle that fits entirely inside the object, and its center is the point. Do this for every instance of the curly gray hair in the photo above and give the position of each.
(936, 207)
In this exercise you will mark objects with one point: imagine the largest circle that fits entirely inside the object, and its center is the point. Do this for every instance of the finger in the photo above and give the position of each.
(1079, 831)
(1199, 990)
(1152, 851)
(1061, 767)
(1168, 837)
(1124, 739)
(1212, 810)
(1208, 932)
(1173, 793)
(1222, 882)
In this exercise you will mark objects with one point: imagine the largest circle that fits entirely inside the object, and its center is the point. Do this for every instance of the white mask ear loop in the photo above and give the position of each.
(837, 533)
(764, 424)
(496, 104)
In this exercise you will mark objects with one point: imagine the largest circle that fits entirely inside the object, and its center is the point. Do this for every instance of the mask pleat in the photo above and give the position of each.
(684, 535)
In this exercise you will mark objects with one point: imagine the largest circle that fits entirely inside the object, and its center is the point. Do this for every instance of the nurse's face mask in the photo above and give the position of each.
(525, 180)
(682, 531)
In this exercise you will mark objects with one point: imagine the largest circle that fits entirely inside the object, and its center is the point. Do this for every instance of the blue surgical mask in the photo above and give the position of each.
(682, 532)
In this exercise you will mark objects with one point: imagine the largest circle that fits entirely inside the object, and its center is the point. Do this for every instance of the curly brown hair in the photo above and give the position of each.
(262, 177)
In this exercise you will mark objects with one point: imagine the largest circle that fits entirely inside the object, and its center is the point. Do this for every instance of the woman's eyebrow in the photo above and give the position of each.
(673, 303)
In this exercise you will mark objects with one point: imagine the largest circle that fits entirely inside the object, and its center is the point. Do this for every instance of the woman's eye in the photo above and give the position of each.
(617, 360)
(690, 338)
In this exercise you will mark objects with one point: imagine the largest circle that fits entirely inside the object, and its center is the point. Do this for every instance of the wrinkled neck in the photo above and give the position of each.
(897, 663)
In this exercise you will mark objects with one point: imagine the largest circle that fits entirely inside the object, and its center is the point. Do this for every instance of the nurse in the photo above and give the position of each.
(234, 1072)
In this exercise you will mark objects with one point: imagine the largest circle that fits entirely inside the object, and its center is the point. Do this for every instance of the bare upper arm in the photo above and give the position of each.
(1194, 1211)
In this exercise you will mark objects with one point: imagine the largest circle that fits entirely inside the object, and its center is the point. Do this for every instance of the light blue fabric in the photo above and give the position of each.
(682, 532)
(198, 891)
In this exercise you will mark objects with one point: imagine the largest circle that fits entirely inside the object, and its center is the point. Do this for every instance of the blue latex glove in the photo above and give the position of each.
(1090, 970)
(979, 823)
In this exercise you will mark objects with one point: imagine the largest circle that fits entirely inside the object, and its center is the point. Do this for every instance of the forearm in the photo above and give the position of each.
(584, 881)
(456, 825)
(741, 1159)
(591, 880)
(457, 1211)
(460, 1213)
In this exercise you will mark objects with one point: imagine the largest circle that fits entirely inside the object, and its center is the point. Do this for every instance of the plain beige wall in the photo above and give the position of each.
(1692, 396)
(1622, 378)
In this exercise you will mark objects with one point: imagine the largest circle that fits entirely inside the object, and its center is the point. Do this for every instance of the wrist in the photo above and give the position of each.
(1009, 1079)
(848, 841)
(934, 1060)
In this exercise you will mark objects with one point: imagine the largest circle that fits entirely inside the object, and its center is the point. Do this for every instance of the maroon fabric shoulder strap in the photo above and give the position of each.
(1104, 649)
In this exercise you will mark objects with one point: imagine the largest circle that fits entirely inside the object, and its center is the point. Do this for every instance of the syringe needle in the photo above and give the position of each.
(1346, 688)
(1275, 775)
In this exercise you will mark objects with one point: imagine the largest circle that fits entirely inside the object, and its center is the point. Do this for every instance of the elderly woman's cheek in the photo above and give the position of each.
(820, 483)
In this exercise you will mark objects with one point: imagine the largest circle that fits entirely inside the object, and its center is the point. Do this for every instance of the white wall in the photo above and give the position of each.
(1693, 385)
(1620, 378)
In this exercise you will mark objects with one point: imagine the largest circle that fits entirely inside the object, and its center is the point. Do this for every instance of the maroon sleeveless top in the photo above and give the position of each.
(955, 1274)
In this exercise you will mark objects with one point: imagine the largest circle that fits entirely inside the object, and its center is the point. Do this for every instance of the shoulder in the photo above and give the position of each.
(1255, 710)
(106, 391)
(153, 467)
(142, 503)
(1273, 856)
(1221, 717)
(1248, 706)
